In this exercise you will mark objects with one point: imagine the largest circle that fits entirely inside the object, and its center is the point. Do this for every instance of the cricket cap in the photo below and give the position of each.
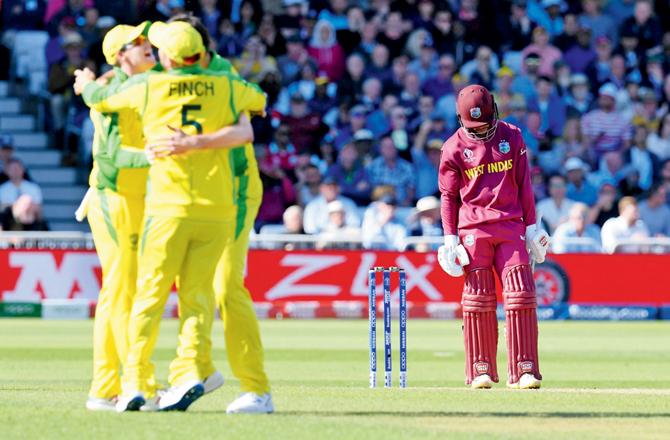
(179, 40)
(119, 36)
(475, 106)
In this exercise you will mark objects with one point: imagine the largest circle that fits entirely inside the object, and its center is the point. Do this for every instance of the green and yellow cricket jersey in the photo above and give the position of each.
(199, 184)
(249, 187)
(119, 163)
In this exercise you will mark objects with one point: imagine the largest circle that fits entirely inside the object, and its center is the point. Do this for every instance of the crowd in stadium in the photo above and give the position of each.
(361, 97)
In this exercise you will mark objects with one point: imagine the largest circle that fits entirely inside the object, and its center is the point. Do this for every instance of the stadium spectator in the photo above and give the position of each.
(306, 128)
(658, 142)
(290, 64)
(627, 226)
(411, 91)
(379, 120)
(351, 175)
(556, 207)
(426, 159)
(350, 36)
(393, 35)
(580, 54)
(579, 188)
(350, 88)
(273, 40)
(6, 153)
(336, 14)
(336, 230)
(316, 211)
(611, 169)
(356, 122)
(547, 53)
(61, 78)
(641, 159)
(481, 70)
(599, 69)
(372, 92)
(593, 18)
(379, 62)
(309, 180)
(425, 64)
(426, 221)
(399, 133)
(655, 212)
(604, 129)
(254, 61)
(281, 153)
(17, 187)
(606, 205)
(327, 52)
(577, 226)
(292, 220)
(389, 169)
(569, 36)
(230, 44)
(517, 26)
(579, 100)
(363, 141)
(571, 144)
(644, 25)
(23, 15)
(278, 192)
(440, 84)
(396, 77)
(381, 229)
(443, 33)
(550, 106)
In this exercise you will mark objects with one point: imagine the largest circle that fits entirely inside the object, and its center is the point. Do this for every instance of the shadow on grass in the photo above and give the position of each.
(419, 414)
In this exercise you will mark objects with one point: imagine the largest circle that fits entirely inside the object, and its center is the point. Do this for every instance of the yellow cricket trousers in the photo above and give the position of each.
(171, 248)
(115, 222)
(240, 324)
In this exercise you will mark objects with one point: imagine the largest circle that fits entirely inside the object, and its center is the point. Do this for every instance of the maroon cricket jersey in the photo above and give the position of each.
(485, 182)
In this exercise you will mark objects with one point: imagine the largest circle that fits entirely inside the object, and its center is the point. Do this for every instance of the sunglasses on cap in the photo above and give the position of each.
(135, 43)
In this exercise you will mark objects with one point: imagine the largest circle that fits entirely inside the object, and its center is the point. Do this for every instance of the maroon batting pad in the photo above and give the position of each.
(521, 318)
(480, 325)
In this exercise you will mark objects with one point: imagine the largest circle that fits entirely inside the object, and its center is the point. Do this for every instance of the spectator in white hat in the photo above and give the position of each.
(426, 221)
(579, 189)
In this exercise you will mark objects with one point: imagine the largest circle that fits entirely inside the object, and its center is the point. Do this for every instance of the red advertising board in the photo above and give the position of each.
(277, 277)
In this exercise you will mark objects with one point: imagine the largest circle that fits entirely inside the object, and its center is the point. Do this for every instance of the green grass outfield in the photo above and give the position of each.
(601, 380)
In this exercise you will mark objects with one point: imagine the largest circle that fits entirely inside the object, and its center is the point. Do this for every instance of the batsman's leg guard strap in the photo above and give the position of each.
(480, 325)
(521, 318)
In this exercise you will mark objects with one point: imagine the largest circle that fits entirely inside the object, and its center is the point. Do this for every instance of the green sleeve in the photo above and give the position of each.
(125, 158)
(111, 98)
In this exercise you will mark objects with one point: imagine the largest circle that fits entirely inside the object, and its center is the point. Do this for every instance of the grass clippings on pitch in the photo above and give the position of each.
(601, 380)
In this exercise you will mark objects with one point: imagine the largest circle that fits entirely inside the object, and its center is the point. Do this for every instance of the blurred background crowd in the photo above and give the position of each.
(361, 97)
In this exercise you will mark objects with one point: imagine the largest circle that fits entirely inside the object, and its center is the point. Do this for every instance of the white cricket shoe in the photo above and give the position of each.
(181, 397)
(151, 404)
(483, 381)
(100, 404)
(130, 402)
(213, 382)
(251, 403)
(526, 382)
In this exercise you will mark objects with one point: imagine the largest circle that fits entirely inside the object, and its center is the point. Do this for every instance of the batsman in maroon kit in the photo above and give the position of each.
(488, 214)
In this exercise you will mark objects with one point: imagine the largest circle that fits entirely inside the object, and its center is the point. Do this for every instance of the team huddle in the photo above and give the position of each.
(173, 195)
(178, 213)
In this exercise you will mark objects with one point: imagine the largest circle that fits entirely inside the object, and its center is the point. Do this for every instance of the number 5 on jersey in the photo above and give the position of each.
(192, 122)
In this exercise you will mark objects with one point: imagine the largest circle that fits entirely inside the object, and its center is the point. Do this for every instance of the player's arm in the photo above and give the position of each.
(452, 256)
(246, 96)
(180, 143)
(449, 182)
(131, 94)
(522, 176)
